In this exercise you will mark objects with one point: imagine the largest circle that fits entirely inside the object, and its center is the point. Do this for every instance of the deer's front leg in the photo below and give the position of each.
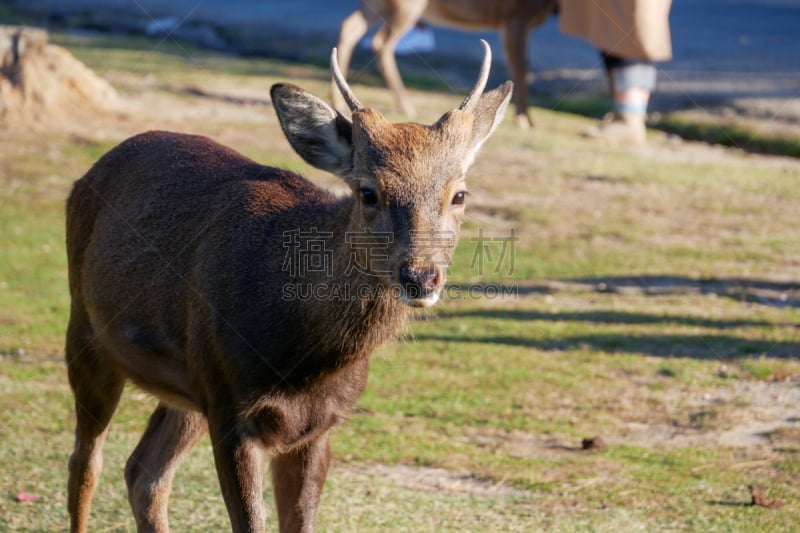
(354, 27)
(402, 17)
(239, 459)
(297, 479)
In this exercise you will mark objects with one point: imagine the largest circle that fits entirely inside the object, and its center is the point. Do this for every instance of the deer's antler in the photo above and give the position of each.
(471, 100)
(344, 88)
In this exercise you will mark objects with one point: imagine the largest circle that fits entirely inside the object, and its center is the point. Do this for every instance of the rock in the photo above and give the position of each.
(593, 443)
(44, 83)
(759, 497)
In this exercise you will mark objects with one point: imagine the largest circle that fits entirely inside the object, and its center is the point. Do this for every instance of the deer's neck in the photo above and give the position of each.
(338, 291)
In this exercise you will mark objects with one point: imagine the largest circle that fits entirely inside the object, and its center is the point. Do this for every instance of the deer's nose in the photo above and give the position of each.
(419, 282)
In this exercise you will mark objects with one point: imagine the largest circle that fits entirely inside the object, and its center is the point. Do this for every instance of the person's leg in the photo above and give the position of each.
(631, 82)
(634, 80)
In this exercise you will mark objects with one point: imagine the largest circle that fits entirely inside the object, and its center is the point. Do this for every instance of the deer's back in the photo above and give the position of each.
(173, 240)
(480, 14)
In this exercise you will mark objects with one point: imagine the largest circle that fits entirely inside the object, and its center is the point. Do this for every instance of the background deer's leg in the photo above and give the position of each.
(240, 467)
(297, 479)
(354, 27)
(403, 18)
(97, 389)
(514, 34)
(170, 434)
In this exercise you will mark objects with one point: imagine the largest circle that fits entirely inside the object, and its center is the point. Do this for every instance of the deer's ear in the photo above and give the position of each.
(473, 127)
(489, 112)
(318, 133)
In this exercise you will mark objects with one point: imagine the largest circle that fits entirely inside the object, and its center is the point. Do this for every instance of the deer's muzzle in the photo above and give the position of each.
(420, 286)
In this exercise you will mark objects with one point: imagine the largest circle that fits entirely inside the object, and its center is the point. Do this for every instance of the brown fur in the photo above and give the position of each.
(514, 19)
(176, 251)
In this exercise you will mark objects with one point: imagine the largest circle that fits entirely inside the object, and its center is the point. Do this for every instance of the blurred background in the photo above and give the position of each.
(731, 57)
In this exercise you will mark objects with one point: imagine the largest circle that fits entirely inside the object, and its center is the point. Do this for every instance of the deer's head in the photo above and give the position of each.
(408, 179)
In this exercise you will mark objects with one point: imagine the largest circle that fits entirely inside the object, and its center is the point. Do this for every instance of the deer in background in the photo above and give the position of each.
(177, 273)
(514, 19)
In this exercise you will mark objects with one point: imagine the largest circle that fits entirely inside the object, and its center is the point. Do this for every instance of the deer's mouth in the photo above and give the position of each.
(420, 286)
(427, 301)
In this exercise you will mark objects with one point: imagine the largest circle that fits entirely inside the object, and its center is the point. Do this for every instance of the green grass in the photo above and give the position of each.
(736, 136)
(651, 293)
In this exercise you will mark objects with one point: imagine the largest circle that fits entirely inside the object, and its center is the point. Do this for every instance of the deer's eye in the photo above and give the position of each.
(368, 196)
(459, 198)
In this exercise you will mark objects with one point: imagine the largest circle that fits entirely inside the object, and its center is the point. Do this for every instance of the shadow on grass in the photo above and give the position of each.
(765, 292)
(607, 317)
(700, 346)
(715, 130)
(722, 347)
(730, 503)
(731, 135)
(779, 294)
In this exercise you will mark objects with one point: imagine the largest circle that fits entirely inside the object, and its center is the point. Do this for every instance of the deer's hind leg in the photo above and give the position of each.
(514, 35)
(170, 434)
(97, 388)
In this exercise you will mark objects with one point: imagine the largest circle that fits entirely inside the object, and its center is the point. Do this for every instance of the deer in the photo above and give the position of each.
(514, 19)
(177, 267)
